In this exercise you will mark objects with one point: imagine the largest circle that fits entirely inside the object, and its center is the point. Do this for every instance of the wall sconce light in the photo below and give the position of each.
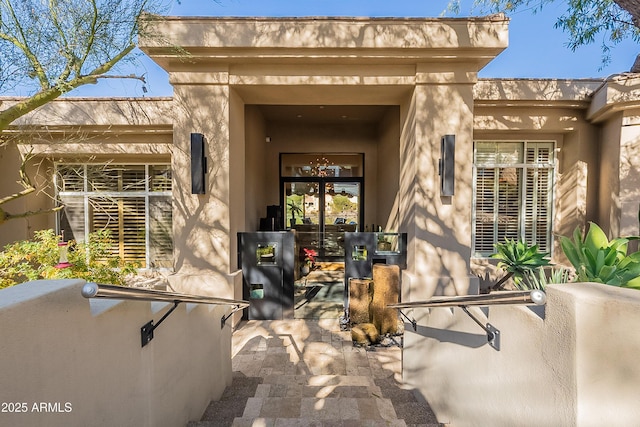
(198, 164)
(446, 165)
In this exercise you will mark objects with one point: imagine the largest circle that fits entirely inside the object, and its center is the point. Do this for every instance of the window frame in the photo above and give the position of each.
(523, 166)
(86, 195)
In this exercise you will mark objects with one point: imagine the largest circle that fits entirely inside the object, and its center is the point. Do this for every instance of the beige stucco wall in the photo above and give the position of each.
(620, 179)
(59, 348)
(609, 183)
(232, 38)
(438, 228)
(39, 171)
(203, 238)
(630, 174)
(573, 367)
(614, 107)
(260, 187)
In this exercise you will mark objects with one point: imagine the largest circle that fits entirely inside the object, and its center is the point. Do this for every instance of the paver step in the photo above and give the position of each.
(331, 408)
(309, 422)
(320, 391)
(308, 373)
(321, 380)
(231, 404)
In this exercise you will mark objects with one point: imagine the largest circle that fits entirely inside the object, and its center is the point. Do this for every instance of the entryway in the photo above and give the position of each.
(319, 294)
(309, 373)
(322, 196)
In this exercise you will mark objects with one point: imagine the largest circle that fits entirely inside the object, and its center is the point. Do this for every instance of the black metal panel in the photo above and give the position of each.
(359, 264)
(267, 261)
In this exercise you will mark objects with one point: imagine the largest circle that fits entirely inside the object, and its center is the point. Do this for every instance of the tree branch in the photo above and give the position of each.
(5, 216)
(43, 97)
(17, 195)
(632, 7)
(23, 45)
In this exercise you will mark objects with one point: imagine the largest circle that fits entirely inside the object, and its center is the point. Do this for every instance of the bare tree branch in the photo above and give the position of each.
(5, 216)
(43, 97)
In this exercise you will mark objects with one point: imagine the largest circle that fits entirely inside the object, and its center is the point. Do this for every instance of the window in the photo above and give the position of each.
(513, 194)
(133, 202)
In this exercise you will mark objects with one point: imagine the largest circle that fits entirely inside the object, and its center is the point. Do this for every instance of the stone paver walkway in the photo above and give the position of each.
(306, 372)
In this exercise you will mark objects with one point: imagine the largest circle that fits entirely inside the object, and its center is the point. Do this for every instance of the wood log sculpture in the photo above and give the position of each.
(360, 297)
(386, 290)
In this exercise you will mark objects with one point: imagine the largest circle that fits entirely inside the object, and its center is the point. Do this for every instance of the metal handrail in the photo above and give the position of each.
(94, 290)
(534, 297)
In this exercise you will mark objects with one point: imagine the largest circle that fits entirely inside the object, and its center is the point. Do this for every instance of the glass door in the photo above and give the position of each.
(321, 211)
(322, 199)
(341, 213)
(303, 213)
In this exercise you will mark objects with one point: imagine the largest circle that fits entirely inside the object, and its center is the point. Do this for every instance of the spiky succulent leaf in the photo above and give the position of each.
(570, 251)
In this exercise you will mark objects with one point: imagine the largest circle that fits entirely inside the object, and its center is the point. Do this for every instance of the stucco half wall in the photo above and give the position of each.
(575, 365)
(83, 359)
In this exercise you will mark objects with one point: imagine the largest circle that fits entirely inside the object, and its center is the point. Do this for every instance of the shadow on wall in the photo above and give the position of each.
(74, 343)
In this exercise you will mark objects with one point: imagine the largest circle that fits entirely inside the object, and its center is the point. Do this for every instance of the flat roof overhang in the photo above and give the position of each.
(194, 42)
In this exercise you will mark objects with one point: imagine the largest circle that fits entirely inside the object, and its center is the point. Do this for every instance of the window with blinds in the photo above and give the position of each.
(133, 202)
(513, 194)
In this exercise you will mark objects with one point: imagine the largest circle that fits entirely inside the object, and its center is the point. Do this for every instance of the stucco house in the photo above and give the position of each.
(368, 124)
(368, 100)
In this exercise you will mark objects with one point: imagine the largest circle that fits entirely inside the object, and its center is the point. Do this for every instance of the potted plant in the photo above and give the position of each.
(295, 209)
(383, 244)
(309, 260)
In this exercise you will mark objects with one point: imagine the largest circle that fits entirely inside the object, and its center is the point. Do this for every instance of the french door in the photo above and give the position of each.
(322, 198)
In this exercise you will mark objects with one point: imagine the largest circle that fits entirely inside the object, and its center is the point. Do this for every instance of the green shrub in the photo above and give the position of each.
(520, 261)
(36, 259)
(596, 259)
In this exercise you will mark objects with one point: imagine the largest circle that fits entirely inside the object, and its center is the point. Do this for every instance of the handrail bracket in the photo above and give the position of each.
(413, 322)
(493, 334)
(146, 332)
(224, 319)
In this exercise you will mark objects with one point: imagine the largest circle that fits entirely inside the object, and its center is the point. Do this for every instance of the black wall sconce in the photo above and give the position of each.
(446, 165)
(198, 164)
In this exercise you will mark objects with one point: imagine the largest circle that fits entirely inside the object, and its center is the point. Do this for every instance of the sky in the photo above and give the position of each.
(536, 49)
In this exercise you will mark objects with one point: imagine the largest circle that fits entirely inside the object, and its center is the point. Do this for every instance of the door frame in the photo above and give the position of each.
(321, 182)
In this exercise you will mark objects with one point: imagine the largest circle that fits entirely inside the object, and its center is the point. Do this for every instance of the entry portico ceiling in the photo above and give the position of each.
(188, 42)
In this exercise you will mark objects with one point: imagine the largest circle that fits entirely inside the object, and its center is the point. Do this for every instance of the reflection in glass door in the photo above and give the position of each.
(322, 199)
(302, 213)
(321, 211)
(341, 213)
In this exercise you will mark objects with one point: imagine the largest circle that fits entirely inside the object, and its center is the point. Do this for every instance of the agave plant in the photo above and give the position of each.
(596, 259)
(544, 278)
(519, 260)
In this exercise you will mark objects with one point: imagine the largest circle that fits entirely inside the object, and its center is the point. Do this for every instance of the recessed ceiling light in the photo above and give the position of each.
(299, 116)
